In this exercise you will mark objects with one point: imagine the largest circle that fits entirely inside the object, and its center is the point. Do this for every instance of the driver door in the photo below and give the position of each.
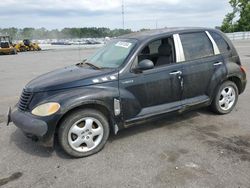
(150, 92)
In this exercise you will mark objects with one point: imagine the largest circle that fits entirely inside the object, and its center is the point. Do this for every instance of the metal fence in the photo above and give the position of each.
(239, 35)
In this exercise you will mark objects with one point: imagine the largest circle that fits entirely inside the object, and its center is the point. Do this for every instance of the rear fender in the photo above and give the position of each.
(218, 77)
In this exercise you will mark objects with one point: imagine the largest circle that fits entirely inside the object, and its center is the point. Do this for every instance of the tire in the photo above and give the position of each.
(80, 130)
(225, 99)
(14, 52)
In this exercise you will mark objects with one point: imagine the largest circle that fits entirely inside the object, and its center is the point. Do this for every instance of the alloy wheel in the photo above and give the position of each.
(227, 98)
(85, 134)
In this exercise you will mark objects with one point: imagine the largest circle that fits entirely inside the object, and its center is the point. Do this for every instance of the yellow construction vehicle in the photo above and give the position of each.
(32, 46)
(6, 46)
(27, 45)
(20, 47)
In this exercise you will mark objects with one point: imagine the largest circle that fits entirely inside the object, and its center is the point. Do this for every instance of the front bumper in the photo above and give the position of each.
(28, 124)
(40, 129)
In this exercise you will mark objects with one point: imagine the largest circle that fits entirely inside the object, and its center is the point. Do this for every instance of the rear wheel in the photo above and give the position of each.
(83, 133)
(225, 98)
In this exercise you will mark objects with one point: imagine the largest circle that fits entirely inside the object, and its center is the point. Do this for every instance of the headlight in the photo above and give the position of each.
(46, 109)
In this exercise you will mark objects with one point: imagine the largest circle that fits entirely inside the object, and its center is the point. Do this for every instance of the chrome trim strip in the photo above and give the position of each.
(176, 45)
(104, 79)
(181, 49)
(117, 107)
(219, 63)
(95, 81)
(178, 48)
(215, 47)
(112, 77)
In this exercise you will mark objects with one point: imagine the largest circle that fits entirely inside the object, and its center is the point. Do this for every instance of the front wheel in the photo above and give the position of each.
(83, 133)
(225, 98)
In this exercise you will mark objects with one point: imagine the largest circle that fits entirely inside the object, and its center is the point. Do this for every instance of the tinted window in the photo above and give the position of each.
(221, 43)
(153, 46)
(196, 45)
(161, 52)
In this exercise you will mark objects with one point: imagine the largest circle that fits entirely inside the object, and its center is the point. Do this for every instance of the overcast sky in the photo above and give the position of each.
(107, 13)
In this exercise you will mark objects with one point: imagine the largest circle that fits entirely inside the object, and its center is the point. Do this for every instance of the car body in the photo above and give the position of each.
(161, 71)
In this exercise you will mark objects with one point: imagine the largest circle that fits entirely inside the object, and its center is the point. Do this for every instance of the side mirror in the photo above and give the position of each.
(145, 64)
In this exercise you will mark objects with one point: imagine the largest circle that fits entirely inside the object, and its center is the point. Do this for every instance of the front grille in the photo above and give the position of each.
(24, 100)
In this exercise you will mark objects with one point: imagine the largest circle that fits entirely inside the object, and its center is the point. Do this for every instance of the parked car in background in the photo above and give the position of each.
(132, 79)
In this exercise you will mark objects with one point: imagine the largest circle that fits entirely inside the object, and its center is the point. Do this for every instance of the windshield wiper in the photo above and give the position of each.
(92, 65)
(89, 64)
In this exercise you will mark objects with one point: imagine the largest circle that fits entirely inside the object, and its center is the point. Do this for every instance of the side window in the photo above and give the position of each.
(154, 46)
(221, 43)
(196, 45)
(161, 52)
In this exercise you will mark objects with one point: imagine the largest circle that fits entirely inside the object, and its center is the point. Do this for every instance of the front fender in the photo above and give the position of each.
(76, 97)
(97, 95)
(88, 95)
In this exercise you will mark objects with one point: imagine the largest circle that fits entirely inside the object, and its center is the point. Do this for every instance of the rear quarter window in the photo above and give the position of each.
(221, 43)
(196, 45)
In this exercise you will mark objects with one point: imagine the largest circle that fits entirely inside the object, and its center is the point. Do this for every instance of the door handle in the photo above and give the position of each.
(217, 64)
(175, 73)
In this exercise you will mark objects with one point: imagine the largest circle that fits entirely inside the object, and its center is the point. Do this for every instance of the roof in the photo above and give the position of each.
(158, 32)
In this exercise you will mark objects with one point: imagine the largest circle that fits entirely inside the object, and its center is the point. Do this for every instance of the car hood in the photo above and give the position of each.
(69, 77)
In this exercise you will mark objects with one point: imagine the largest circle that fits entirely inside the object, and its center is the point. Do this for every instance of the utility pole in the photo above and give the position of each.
(123, 14)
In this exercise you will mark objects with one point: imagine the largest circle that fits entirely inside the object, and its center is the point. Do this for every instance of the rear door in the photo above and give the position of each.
(202, 59)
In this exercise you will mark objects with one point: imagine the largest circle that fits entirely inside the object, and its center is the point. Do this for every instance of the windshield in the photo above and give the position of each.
(113, 54)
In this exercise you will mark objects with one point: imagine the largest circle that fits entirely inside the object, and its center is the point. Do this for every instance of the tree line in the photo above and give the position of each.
(42, 33)
(239, 18)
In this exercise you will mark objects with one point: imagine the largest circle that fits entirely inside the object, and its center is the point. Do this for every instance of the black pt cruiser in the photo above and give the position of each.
(133, 78)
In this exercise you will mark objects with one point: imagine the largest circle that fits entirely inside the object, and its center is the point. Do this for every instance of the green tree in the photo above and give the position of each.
(241, 9)
(244, 10)
(228, 25)
(27, 33)
(42, 33)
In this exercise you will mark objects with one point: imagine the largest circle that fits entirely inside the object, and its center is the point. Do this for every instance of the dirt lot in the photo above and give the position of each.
(196, 149)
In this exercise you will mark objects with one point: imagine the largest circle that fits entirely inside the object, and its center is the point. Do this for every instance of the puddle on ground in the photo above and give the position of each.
(13, 177)
(208, 129)
(236, 146)
(172, 156)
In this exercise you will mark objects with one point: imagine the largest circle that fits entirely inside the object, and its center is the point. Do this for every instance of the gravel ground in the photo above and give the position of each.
(195, 149)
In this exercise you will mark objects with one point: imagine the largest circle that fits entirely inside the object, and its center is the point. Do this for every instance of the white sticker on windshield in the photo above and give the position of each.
(123, 44)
